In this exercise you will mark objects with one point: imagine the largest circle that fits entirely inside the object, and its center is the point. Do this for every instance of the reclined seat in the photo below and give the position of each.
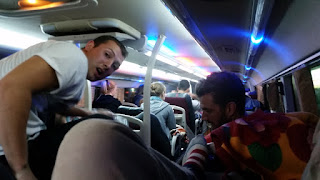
(183, 100)
(159, 140)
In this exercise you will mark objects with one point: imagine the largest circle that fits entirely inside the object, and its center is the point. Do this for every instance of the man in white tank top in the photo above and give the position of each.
(47, 77)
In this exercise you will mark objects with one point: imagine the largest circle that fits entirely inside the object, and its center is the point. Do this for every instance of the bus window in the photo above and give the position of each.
(315, 72)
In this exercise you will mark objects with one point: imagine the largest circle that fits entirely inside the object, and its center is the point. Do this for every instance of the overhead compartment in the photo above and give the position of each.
(80, 31)
(89, 26)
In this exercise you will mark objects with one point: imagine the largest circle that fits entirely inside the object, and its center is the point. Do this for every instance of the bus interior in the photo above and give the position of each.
(273, 46)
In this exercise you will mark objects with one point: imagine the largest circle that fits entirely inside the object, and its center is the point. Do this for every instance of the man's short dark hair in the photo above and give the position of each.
(183, 85)
(224, 87)
(103, 39)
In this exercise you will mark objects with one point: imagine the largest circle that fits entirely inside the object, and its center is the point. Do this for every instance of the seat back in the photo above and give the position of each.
(159, 140)
(135, 121)
(180, 118)
(132, 111)
(185, 102)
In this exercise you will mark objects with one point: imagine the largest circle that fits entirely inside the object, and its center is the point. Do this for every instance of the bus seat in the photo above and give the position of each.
(129, 104)
(135, 121)
(176, 143)
(180, 118)
(131, 111)
(186, 103)
(159, 140)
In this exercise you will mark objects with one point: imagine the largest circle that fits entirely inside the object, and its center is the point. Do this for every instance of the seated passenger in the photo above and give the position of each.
(159, 140)
(138, 98)
(262, 146)
(191, 106)
(106, 99)
(161, 109)
(251, 105)
(184, 88)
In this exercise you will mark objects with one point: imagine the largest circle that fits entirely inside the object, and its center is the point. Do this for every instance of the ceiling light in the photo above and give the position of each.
(164, 49)
(256, 40)
(16, 40)
(37, 4)
(248, 68)
(185, 69)
(163, 59)
(200, 75)
(21, 8)
(166, 60)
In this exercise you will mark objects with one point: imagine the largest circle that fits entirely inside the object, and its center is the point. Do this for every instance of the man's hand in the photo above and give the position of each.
(193, 96)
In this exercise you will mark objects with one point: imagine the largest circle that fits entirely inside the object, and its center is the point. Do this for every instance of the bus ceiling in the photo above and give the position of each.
(256, 39)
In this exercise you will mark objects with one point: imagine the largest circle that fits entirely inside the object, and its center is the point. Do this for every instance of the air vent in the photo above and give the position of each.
(22, 8)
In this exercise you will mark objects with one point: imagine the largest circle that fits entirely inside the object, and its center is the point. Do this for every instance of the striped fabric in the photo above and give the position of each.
(196, 154)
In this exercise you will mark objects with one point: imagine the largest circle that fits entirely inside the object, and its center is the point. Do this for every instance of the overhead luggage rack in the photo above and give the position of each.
(83, 30)
(89, 26)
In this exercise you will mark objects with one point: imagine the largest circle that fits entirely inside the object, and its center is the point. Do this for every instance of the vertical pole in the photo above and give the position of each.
(88, 96)
(146, 91)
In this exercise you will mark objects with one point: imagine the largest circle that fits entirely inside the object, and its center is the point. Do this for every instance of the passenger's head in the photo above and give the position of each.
(140, 89)
(222, 98)
(158, 89)
(105, 54)
(253, 94)
(184, 85)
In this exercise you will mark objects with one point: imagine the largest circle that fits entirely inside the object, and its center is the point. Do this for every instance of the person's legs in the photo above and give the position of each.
(98, 149)
(42, 153)
(43, 150)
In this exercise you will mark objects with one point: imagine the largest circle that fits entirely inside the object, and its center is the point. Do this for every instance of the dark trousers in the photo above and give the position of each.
(43, 150)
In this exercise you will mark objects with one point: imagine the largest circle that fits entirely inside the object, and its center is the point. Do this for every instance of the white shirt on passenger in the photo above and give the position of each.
(70, 65)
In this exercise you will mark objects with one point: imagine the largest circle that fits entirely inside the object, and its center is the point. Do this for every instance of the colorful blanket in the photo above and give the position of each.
(312, 169)
(274, 145)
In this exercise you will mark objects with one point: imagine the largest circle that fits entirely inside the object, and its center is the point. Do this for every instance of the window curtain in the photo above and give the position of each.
(305, 89)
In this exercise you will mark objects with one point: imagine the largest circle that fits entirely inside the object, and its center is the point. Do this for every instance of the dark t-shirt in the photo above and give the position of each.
(107, 102)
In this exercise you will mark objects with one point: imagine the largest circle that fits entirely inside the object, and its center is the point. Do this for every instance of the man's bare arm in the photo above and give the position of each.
(16, 89)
